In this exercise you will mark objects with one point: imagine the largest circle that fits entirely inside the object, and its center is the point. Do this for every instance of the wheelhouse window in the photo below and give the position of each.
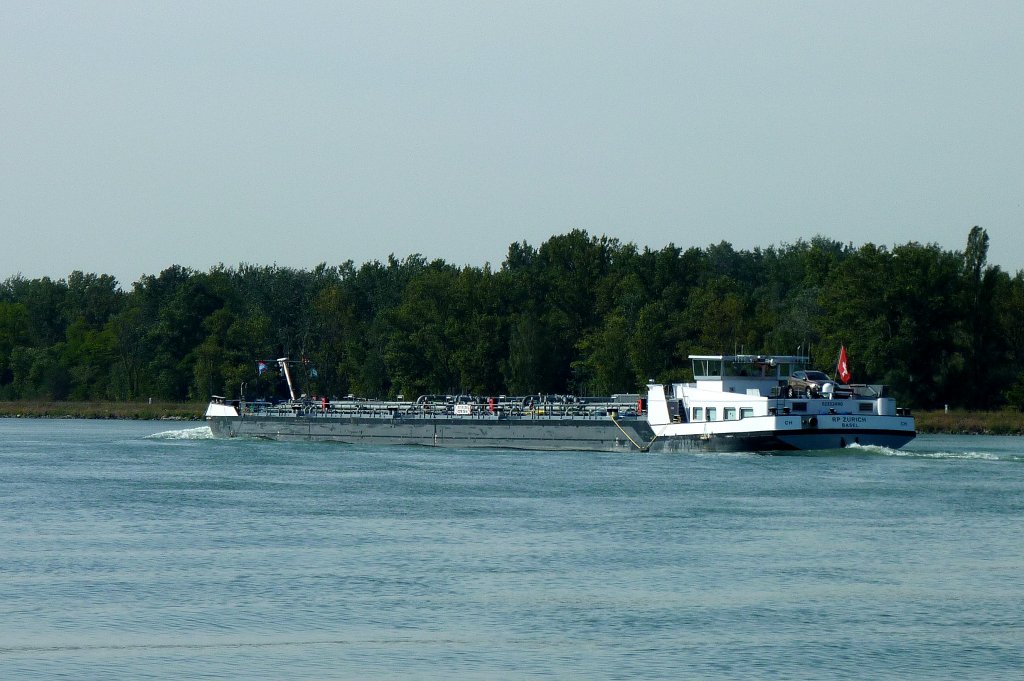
(866, 406)
(799, 406)
(712, 413)
(707, 368)
(729, 413)
(746, 412)
(698, 413)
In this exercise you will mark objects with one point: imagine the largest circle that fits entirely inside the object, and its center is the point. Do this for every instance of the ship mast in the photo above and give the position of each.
(283, 362)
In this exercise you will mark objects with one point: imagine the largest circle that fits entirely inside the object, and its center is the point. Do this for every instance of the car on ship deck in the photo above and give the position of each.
(810, 383)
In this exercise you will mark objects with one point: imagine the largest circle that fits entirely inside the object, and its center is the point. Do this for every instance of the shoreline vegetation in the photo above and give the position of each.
(963, 422)
(133, 411)
(953, 422)
(578, 315)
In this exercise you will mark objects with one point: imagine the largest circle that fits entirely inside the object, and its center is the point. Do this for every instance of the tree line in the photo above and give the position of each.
(579, 314)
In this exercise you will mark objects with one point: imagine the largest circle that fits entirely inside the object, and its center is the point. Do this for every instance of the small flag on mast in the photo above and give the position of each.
(843, 368)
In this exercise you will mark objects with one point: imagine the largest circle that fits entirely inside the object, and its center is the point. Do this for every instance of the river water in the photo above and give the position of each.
(131, 550)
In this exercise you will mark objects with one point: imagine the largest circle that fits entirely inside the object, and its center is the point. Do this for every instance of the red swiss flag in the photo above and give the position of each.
(843, 368)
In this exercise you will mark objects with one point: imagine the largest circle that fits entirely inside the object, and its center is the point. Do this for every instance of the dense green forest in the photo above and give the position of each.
(578, 314)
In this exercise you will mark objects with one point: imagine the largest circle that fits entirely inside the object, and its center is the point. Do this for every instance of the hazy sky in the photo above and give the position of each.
(137, 135)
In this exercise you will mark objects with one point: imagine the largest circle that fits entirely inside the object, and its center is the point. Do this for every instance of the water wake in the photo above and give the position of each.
(976, 456)
(912, 454)
(200, 433)
(875, 449)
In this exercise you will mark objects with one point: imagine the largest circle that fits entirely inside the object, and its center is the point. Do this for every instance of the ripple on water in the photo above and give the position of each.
(130, 556)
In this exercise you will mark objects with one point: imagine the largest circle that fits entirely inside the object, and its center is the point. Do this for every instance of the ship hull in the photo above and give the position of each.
(783, 442)
(602, 435)
(530, 434)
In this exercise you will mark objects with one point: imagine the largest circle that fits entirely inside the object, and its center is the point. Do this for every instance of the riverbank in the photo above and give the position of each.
(962, 422)
(957, 422)
(168, 411)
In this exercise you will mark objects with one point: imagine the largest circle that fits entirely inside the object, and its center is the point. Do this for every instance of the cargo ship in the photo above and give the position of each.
(753, 403)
